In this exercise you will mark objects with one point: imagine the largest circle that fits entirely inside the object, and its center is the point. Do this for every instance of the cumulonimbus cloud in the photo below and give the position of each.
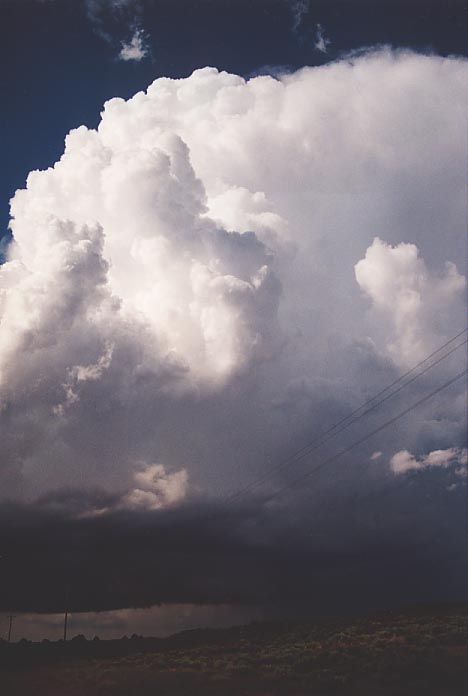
(180, 287)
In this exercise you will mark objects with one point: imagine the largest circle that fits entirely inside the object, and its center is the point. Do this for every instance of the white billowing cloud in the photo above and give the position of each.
(204, 295)
(153, 489)
(135, 49)
(375, 456)
(183, 268)
(414, 303)
(404, 461)
(45, 289)
(322, 42)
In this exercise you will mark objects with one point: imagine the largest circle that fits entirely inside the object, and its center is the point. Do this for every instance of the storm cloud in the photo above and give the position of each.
(217, 273)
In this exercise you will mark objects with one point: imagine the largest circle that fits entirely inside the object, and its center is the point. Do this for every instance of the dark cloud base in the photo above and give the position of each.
(252, 556)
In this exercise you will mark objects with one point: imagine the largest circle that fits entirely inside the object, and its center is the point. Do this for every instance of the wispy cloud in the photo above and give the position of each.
(97, 11)
(115, 21)
(299, 9)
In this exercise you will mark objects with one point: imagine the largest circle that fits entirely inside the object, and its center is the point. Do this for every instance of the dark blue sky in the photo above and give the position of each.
(58, 68)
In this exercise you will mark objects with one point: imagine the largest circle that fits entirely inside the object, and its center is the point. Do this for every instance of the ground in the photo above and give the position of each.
(407, 653)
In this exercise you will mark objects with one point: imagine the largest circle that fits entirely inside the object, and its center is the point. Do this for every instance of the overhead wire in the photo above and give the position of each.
(363, 439)
(352, 417)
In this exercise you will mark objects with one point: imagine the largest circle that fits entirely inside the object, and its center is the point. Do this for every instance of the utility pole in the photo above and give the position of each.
(11, 617)
(65, 619)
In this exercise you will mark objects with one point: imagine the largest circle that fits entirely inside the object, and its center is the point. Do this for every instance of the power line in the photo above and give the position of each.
(332, 432)
(352, 417)
(363, 439)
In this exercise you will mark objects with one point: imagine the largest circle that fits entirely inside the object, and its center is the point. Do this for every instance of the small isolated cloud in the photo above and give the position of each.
(322, 42)
(404, 461)
(136, 49)
(376, 456)
(155, 489)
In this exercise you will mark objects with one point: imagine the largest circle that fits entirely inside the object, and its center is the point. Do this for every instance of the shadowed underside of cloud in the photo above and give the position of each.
(355, 554)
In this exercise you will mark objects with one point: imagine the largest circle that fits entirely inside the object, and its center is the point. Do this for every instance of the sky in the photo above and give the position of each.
(226, 226)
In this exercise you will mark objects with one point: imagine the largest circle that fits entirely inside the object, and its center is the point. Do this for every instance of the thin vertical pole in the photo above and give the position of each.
(65, 620)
